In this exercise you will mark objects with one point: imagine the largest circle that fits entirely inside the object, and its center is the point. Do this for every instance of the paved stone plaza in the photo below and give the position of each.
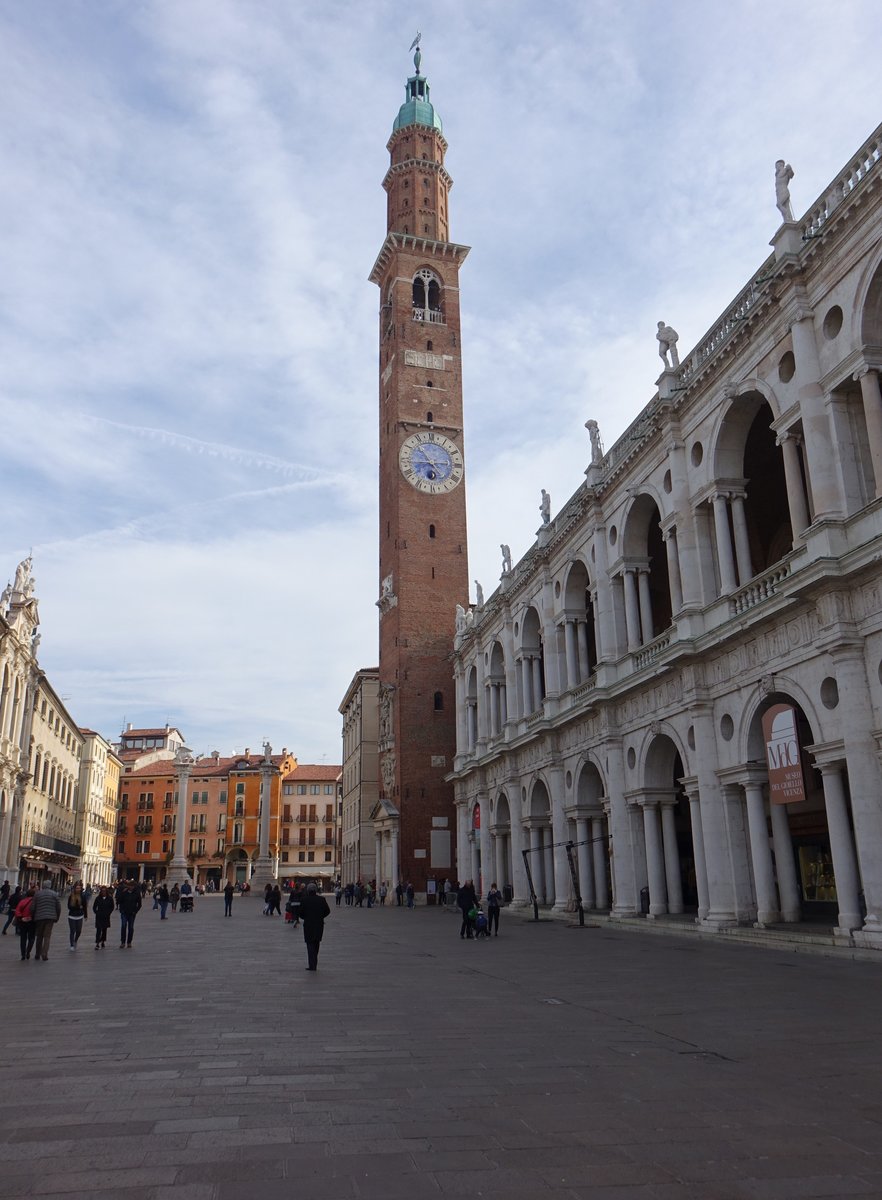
(207, 1064)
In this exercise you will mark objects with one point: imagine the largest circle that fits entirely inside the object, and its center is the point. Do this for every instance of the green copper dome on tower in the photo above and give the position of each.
(417, 109)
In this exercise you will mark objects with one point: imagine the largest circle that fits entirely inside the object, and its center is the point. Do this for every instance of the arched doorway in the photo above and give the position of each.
(592, 839)
(541, 856)
(238, 866)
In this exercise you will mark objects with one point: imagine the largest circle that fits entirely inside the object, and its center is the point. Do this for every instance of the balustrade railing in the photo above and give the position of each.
(857, 170)
(759, 589)
(434, 316)
(651, 651)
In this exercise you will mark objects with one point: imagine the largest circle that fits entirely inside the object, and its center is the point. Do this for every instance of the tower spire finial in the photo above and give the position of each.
(417, 58)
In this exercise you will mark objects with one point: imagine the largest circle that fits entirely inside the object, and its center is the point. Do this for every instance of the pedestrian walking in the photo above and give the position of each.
(384, 892)
(267, 899)
(466, 900)
(338, 895)
(229, 893)
(129, 905)
(14, 900)
(47, 910)
(102, 911)
(411, 895)
(77, 911)
(4, 894)
(164, 899)
(494, 903)
(23, 915)
(399, 893)
(276, 901)
(174, 896)
(313, 910)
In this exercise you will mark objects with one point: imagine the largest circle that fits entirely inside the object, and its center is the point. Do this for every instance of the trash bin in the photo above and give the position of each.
(644, 901)
(507, 893)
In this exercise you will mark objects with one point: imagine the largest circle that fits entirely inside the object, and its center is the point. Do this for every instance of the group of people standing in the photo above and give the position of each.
(469, 904)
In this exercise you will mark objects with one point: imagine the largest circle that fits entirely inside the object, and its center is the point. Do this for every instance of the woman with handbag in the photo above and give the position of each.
(24, 921)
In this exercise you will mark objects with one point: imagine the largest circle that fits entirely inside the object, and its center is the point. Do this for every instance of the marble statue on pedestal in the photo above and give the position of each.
(460, 619)
(667, 339)
(479, 592)
(506, 558)
(783, 175)
(596, 444)
(545, 507)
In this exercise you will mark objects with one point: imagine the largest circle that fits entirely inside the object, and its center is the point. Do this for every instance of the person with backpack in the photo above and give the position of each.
(466, 900)
(23, 915)
(494, 903)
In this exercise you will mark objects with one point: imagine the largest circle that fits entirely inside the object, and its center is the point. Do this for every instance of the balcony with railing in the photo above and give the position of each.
(433, 316)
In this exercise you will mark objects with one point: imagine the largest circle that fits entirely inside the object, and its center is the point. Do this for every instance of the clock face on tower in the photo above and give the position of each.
(431, 462)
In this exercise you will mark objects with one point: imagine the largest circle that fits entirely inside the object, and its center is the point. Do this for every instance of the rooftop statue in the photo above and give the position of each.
(506, 558)
(545, 507)
(783, 175)
(596, 444)
(479, 592)
(667, 339)
(460, 619)
(23, 575)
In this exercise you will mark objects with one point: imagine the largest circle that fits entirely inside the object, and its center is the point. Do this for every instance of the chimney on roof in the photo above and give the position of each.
(128, 726)
(215, 754)
(284, 752)
(247, 751)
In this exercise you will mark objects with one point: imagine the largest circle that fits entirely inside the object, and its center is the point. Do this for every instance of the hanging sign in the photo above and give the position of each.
(476, 817)
(786, 785)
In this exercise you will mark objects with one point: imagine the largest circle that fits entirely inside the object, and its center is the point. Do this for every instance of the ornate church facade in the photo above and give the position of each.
(672, 704)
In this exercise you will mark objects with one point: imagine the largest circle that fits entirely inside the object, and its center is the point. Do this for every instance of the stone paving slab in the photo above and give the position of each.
(207, 1064)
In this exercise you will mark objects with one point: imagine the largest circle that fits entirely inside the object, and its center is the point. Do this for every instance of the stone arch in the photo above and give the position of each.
(644, 552)
(580, 644)
(869, 305)
(590, 784)
(531, 675)
(667, 824)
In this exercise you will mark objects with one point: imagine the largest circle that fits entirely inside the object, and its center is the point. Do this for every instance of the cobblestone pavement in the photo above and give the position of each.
(207, 1064)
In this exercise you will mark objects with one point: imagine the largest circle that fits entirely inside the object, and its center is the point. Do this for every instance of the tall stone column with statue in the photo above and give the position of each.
(177, 871)
(264, 872)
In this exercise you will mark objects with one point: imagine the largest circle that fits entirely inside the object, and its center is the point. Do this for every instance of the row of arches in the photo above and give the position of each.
(657, 827)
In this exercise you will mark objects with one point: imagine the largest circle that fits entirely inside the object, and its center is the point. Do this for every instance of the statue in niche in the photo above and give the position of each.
(385, 714)
(667, 339)
(506, 558)
(596, 444)
(479, 592)
(783, 175)
(545, 507)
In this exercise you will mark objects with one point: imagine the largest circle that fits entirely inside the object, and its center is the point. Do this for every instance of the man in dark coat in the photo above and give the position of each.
(129, 904)
(313, 910)
(466, 899)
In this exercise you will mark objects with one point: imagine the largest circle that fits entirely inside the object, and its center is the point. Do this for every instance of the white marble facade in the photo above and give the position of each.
(722, 557)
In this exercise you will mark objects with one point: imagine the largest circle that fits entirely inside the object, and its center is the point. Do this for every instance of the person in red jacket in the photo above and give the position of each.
(24, 921)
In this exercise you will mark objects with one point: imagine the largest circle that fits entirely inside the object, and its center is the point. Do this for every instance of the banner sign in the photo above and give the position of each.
(786, 785)
(476, 817)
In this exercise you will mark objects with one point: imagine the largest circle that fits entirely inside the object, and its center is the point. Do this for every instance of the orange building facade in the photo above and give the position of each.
(310, 829)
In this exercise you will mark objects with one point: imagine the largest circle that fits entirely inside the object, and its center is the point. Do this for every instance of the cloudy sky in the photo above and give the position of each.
(190, 204)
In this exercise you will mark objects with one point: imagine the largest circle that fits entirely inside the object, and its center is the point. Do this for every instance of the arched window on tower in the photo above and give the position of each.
(427, 297)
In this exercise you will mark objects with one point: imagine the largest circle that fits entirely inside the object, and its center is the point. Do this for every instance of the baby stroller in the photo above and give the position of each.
(186, 904)
(481, 925)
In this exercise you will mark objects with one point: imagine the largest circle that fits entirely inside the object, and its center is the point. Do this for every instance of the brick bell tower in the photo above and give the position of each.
(423, 553)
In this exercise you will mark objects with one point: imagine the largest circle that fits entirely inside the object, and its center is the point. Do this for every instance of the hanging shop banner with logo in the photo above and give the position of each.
(476, 817)
(786, 784)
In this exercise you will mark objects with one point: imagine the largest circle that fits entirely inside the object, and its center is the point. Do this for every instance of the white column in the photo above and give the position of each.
(788, 887)
(599, 850)
(714, 823)
(583, 854)
(872, 398)
(655, 863)
(527, 685)
(263, 867)
(503, 705)
(698, 854)
(495, 722)
(815, 420)
(537, 681)
(724, 545)
(472, 718)
(560, 834)
(767, 912)
(475, 872)
(483, 885)
(394, 869)
(518, 875)
(646, 622)
(674, 570)
(796, 501)
(582, 643)
(177, 871)
(378, 858)
(548, 864)
(571, 654)
(632, 610)
(841, 848)
(537, 863)
(499, 858)
(742, 542)
(672, 859)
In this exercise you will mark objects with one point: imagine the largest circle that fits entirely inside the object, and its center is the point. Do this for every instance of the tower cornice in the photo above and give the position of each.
(421, 164)
(396, 242)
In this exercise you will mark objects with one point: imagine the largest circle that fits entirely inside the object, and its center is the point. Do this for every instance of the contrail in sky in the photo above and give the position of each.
(234, 454)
